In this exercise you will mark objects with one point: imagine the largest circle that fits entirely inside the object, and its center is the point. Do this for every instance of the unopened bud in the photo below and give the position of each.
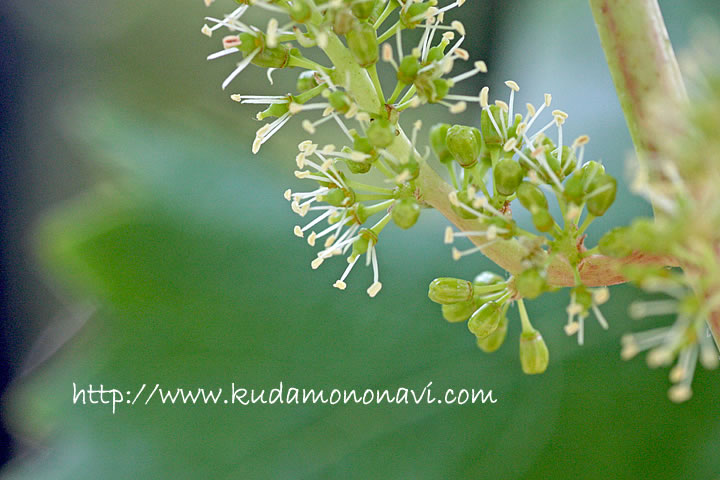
(493, 341)
(438, 133)
(531, 196)
(362, 9)
(362, 43)
(508, 175)
(534, 355)
(450, 290)
(458, 312)
(530, 283)
(408, 69)
(340, 101)
(542, 219)
(405, 213)
(603, 189)
(462, 142)
(381, 133)
(485, 320)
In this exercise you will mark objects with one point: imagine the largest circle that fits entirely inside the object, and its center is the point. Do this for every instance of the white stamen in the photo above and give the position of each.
(240, 67)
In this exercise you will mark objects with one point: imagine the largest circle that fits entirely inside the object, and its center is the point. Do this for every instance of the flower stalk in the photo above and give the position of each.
(641, 61)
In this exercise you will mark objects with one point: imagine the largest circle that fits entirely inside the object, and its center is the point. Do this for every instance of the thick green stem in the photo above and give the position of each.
(641, 61)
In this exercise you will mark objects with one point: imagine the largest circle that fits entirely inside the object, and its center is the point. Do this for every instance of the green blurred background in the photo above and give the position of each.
(149, 245)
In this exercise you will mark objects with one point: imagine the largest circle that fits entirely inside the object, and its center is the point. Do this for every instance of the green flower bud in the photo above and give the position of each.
(531, 196)
(438, 132)
(485, 320)
(554, 165)
(508, 176)
(334, 197)
(306, 81)
(603, 189)
(408, 69)
(530, 283)
(534, 355)
(490, 135)
(381, 133)
(463, 145)
(300, 11)
(542, 219)
(362, 43)
(362, 9)
(337, 197)
(343, 22)
(615, 243)
(493, 341)
(412, 16)
(507, 224)
(458, 312)
(405, 213)
(590, 169)
(575, 189)
(450, 290)
(340, 101)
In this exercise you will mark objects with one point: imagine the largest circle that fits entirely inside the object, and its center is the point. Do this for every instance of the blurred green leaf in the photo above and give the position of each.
(202, 285)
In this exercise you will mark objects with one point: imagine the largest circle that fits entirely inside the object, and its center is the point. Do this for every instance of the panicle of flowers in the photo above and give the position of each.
(509, 158)
(344, 209)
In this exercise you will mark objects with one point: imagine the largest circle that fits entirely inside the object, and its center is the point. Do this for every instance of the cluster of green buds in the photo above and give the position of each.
(500, 163)
(483, 304)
